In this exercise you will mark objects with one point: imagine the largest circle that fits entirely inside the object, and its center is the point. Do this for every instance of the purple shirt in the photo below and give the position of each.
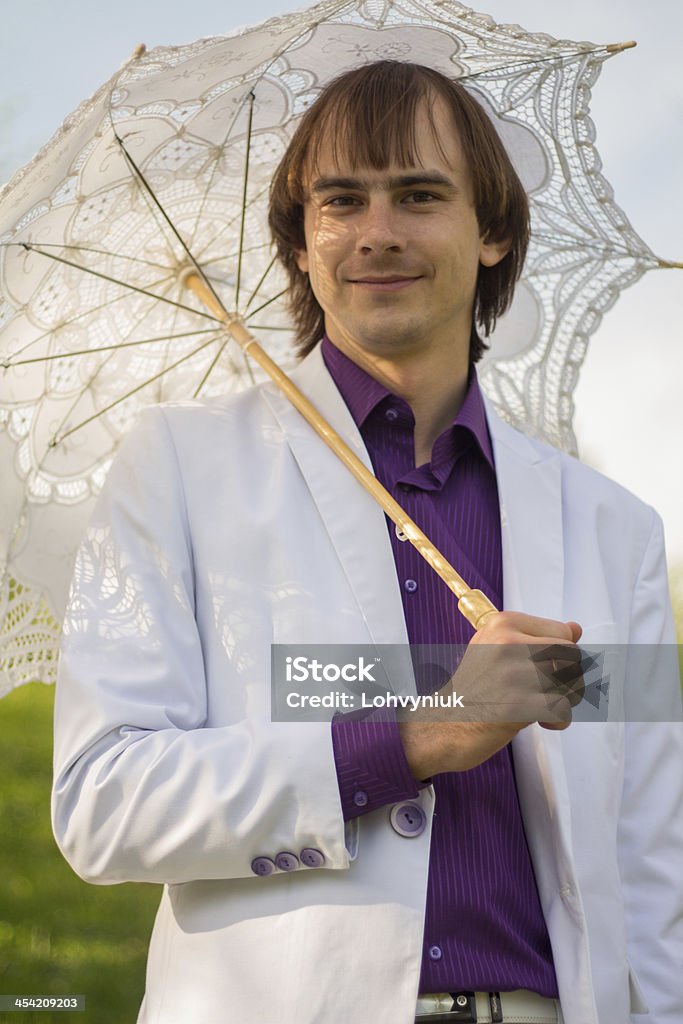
(484, 927)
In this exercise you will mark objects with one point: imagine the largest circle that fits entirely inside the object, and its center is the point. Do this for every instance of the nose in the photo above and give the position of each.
(379, 230)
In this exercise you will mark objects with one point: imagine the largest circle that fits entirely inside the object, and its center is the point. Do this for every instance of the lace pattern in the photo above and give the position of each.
(95, 321)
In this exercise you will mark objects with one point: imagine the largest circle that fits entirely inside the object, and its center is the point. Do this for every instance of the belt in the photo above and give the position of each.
(519, 1007)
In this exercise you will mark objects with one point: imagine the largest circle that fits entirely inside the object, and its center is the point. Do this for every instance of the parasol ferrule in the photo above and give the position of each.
(476, 608)
(619, 47)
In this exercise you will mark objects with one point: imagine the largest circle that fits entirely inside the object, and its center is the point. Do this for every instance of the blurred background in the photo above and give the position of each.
(59, 936)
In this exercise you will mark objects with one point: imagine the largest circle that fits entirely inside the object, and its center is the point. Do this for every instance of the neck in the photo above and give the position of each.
(434, 385)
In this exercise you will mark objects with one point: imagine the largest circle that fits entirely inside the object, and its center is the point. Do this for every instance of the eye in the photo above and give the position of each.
(421, 197)
(341, 201)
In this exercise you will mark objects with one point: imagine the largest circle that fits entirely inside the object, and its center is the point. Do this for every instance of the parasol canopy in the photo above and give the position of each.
(95, 317)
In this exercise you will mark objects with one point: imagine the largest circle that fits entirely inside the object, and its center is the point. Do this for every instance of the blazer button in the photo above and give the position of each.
(312, 858)
(287, 861)
(408, 820)
(262, 866)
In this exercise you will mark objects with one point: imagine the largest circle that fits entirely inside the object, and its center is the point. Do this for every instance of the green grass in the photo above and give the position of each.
(59, 936)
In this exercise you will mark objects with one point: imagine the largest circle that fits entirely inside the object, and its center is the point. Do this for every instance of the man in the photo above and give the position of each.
(319, 875)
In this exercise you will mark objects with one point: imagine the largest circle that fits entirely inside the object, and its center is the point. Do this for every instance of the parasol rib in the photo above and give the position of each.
(105, 348)
(31, 247)
(473, 604)
(59, 438)
(149, 191)
(244, 198)
(262, 278)
(268, 302)
(243, 218)
(557, 61)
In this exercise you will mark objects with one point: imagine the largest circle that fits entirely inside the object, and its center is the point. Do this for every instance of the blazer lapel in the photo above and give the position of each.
(356, 524)
(530, 490)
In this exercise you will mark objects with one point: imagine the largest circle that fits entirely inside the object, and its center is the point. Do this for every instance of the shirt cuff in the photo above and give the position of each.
(372, 769)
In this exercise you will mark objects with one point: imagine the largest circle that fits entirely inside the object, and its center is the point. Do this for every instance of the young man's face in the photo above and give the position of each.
(393, 255)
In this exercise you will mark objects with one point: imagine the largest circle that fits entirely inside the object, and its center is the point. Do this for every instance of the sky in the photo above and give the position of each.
(629, 400)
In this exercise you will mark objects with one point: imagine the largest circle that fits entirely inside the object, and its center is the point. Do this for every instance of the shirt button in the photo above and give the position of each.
(410, 586)
(405, 487)
(262, 866)
(391, 414)
(287, 861)
(435, 953)
(360, 798)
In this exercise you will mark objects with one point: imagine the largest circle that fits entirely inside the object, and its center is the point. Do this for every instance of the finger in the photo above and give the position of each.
(566, 652)
(574, 691)
(562, 681)
(560, 678)
(535, 626)
(560, 673)
(558, 707)
(563, 668)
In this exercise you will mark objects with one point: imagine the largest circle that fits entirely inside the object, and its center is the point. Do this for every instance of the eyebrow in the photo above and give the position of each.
(396, 181)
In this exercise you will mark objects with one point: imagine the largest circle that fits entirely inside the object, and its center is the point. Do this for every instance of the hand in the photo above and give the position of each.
(517, 669)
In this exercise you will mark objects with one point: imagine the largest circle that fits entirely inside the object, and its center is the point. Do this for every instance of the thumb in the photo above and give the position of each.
(576, 629)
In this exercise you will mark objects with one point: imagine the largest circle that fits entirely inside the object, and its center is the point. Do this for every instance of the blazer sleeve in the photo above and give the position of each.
(650, 845)
(143, 789)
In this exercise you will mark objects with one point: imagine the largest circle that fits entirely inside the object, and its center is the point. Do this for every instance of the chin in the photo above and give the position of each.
(390, 338)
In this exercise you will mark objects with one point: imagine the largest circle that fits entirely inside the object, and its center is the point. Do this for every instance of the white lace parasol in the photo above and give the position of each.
(95, 321)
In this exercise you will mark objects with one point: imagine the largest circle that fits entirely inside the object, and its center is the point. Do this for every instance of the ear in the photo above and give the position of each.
(301, 257)
(492, 252)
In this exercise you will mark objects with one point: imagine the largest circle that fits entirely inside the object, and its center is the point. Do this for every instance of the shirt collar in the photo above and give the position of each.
(362, 393)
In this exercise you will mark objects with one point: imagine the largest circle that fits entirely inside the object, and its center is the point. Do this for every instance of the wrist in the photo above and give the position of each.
(418, 745)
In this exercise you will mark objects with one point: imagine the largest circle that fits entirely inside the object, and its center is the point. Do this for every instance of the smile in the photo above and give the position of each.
(384, 284)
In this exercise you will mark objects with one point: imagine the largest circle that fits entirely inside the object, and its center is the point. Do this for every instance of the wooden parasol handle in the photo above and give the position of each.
(473, 604)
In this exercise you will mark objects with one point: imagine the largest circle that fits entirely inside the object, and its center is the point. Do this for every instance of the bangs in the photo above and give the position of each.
(369, 122)
(377, 129)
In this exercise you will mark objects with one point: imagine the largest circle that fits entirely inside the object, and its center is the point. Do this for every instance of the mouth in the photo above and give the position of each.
(383, 284)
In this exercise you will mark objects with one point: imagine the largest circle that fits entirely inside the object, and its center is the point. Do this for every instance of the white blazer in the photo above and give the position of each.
(226, 526)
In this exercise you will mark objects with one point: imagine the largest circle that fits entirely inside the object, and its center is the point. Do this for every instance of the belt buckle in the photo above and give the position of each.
(464, 1007)
(464, 1011)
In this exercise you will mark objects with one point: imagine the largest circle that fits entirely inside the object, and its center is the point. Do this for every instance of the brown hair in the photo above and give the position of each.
(371, 111)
